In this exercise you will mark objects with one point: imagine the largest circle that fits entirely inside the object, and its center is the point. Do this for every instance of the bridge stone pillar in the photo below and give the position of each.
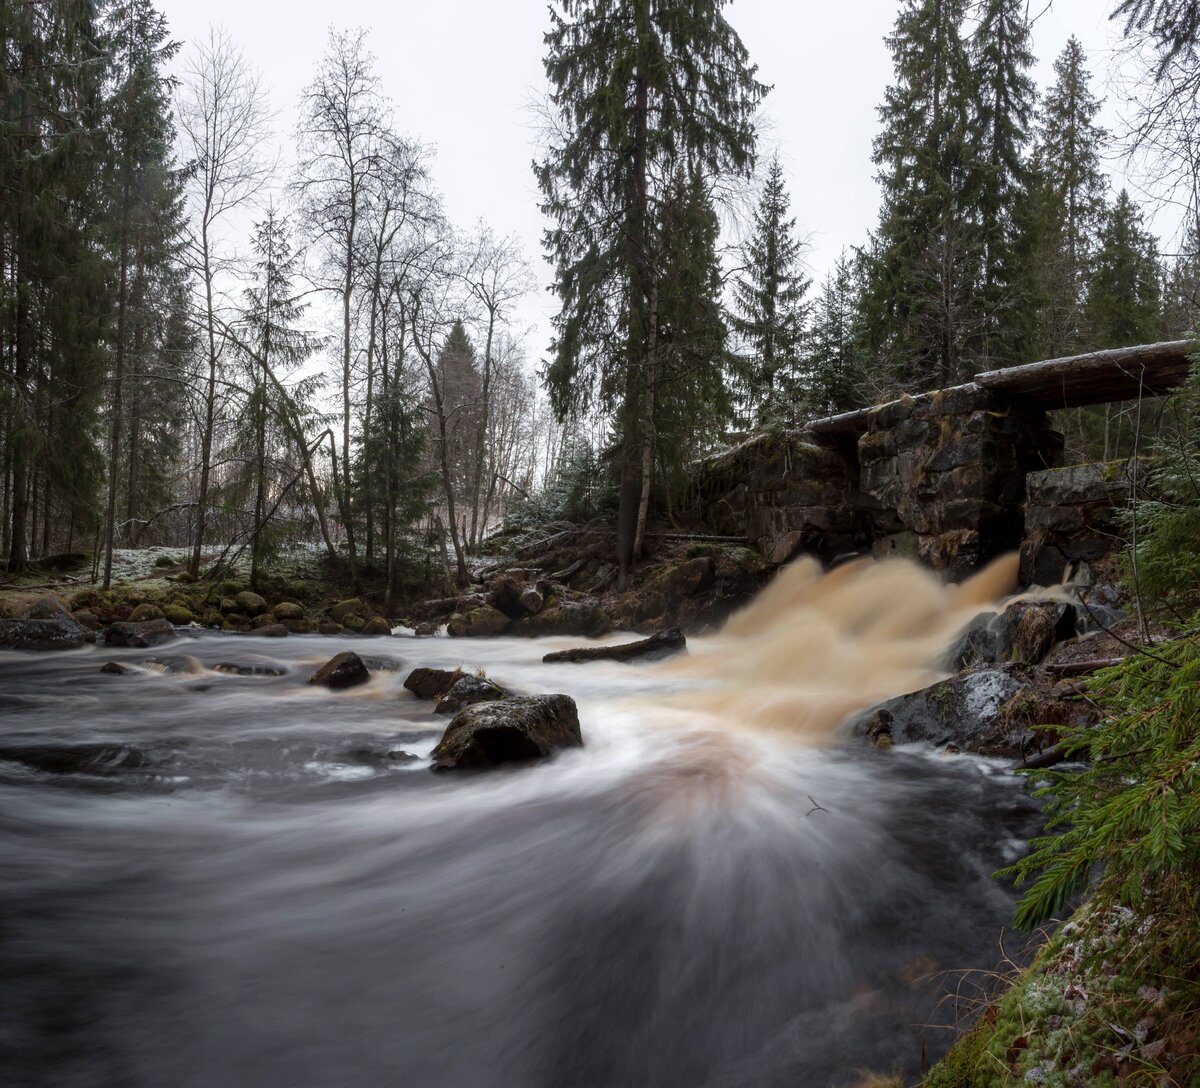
(947, 471)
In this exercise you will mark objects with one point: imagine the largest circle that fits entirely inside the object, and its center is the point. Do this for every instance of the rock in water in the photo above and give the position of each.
(376, 625)
(140, 635)
(270, 630)
(1023, 634)
(430, 683)
(60, 633)
(479, 622)
(344, 670)
(514, 730)
(468, 690)
(964, 710)
(659, 645)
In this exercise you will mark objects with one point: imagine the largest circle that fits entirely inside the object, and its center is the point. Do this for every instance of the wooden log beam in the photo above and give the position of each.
(1099, 377)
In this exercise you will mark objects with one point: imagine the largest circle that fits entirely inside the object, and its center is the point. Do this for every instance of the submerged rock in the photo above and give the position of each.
(96, 758)
(232, 668)
(659, 645)
(513, 730)
(344, 670)
(115, 668)
(271, 630)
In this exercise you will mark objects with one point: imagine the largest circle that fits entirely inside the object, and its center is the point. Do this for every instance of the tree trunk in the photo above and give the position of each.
(210, 399)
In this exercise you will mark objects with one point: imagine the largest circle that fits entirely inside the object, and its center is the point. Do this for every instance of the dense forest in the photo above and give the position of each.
(202, 346)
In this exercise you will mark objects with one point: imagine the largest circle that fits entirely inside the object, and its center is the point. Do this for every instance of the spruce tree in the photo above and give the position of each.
(1069, 202)
(922, 305)
(1124, 289)
(144, 216)
(638, 88)
(834, 363)
(769, 306)
(275, 412)
(1000, 129)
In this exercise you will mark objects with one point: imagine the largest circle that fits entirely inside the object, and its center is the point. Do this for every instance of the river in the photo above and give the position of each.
(228, 880)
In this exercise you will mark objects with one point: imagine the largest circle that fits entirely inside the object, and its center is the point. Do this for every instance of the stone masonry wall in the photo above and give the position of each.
(948, 472)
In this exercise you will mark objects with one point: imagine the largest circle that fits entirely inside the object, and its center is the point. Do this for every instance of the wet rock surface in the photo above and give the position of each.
(140, 635)
(513, 730)
(344, 670)
(468, 690)
(427, 683)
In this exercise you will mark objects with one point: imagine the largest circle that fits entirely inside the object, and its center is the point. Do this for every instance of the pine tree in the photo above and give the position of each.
(1000, 129)
(769, 302)
(1069, 201)
(638, 89)
(1181, 291)
(1124, 289)
(922, 305)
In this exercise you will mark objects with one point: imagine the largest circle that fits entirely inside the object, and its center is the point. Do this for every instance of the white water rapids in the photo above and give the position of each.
(221, 880)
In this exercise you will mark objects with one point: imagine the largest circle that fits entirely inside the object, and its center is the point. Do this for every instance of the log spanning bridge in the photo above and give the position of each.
(954, 477)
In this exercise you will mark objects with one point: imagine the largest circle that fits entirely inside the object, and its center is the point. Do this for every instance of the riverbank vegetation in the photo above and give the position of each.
(213, 346)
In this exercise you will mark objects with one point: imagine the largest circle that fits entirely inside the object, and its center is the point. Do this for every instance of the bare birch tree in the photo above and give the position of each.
(223, 124)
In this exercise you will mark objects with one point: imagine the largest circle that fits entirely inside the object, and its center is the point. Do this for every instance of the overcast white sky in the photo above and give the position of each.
(461, 74)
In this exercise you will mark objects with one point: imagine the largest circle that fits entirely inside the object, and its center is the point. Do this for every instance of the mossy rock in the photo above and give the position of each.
(264, 619)
(232, 589)
(301, 626)
(185, 576)
(253, 604)
(164, 561)
(178, 615)
(354, 622)
(296, 589)
(86, 618)
(288, 610)
(146, 612)
(377, 625)
(329, 627)
(228, 605)
(212, 618)
(341, 611)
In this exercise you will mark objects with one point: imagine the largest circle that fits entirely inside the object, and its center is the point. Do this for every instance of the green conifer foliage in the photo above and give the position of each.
(1069, 197)
(1124, 291)
(1000, 129)
(769, 310)
(639, 89)
(922, 305)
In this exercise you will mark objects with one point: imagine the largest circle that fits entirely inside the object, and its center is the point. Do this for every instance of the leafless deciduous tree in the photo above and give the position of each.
(223, 123)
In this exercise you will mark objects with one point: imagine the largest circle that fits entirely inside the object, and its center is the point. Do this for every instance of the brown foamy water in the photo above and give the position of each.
(814, 648)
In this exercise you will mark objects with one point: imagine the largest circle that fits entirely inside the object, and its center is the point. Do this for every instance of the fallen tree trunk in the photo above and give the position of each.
(659, 645)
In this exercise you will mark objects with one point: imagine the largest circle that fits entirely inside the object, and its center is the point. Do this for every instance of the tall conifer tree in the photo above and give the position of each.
(769, 306)
(922, 306)
(638, 89)
(1000, 130)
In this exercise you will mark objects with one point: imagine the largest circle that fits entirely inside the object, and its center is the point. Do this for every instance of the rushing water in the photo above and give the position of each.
(246, 885)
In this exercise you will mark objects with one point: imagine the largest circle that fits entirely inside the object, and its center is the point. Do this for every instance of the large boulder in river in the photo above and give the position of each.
(1022, 634)
(59, 633)
(964, 711)
(515, 730)
(660, 645)
(343, 670)
(139, 635)
(479, 622)
(376, 625)
(564, 615)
